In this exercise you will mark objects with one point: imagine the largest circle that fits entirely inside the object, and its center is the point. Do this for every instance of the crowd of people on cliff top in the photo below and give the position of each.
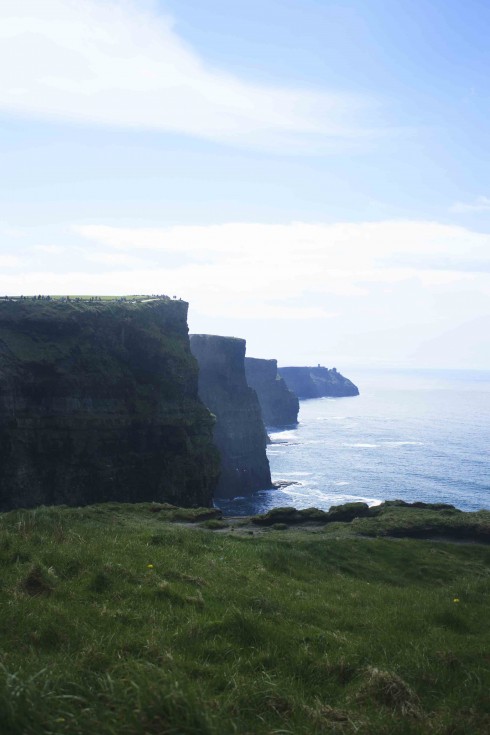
(76, 299)
(41, 297)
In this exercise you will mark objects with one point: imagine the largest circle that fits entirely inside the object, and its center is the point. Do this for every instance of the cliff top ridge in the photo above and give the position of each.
(29, 311)
(217, 338)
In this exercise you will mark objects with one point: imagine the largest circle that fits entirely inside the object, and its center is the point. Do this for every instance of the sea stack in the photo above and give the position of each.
(99, 402)
(239, 432)
(317, 382)
(278, 404)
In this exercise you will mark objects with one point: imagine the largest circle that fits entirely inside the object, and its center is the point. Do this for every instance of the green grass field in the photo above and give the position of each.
(118, 620)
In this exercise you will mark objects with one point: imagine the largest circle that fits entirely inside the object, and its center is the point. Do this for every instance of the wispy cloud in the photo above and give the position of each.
(481, 204)
(123, 64)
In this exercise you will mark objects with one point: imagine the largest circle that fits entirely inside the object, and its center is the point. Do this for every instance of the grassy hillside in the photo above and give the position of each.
(116, 619)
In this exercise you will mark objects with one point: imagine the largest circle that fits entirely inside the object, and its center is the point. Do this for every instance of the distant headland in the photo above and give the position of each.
(317, 382)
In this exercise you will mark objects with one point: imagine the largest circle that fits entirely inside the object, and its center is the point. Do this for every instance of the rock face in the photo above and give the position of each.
(98, 402)
(239, 432)
(316, 382)
(278, 404)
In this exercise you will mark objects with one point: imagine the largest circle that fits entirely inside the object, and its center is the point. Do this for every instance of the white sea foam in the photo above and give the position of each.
(360, 444)
(325, 499)
(403, 443)
(280, 437)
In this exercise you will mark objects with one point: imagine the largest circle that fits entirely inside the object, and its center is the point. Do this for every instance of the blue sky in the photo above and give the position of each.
(312, 176)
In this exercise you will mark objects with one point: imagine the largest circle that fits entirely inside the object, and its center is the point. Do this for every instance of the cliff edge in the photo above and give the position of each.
(98, 402)
(317, 382)
(239, 432)
(278, 404)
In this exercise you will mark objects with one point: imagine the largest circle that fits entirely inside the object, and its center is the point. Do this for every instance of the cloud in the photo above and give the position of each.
(49, 249)
(13, 233)
(123, 64)
(481, 204)
(364, 247)
(10, 261)
(317, 282)
(207, 297)
(114, 259)
(237, 269)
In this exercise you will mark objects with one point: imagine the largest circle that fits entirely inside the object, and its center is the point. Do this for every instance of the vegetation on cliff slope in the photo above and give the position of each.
(116, 620)
(394, 518)
(98, 402)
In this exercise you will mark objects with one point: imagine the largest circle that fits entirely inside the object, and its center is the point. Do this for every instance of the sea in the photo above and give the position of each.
(414, 435)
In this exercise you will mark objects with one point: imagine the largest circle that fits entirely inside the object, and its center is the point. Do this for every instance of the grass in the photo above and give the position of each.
(119, 620)
(391, 518)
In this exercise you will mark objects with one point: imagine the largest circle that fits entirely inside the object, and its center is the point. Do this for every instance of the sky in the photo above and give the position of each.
(310, 175)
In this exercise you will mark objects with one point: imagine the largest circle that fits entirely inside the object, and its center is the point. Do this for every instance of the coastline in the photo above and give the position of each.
(418, 436)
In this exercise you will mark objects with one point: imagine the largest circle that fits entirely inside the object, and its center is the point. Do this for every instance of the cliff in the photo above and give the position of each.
(239, 432)
(278, 404)
(316, 382)
(98, 402)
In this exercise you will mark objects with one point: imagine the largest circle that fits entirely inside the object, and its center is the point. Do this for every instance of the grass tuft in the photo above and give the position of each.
(38, 581)
(390, 690)
(214, 524)
(100, 582)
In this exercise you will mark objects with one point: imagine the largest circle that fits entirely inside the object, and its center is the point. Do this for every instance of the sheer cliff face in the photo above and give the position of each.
(278, 404)
(99, 402)
(239, 433)
(315, 382)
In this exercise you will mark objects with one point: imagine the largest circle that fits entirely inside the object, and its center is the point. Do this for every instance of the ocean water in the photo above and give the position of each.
(413, 435)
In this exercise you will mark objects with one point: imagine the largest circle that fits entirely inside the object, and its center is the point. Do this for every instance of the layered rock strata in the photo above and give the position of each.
(99, 402)
(316, 382)
(239, 432)
(278, 404)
